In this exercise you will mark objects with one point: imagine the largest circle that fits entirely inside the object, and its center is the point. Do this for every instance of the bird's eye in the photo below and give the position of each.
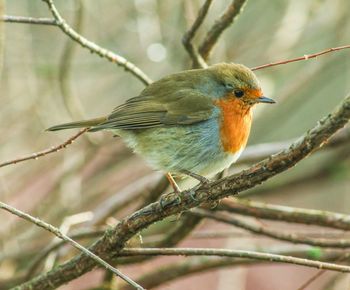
(239, 93)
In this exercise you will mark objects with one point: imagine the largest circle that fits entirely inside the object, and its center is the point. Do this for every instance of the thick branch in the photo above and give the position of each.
(93, 47)
(225, 20)
(114, 239)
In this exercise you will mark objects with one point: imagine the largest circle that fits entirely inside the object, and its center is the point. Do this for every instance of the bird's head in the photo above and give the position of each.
(239, 83)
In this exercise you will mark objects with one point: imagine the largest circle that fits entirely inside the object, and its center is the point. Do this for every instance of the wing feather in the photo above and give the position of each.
(182, 107)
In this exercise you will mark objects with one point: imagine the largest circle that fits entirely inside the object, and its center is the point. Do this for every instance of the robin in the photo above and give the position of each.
(195, 122)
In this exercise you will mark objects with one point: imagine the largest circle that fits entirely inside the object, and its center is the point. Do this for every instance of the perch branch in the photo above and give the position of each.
(114, 239)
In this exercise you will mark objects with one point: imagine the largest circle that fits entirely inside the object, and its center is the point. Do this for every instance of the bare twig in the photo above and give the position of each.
(304, 57)
(93, 47)
(36, 261)
(178, 233)
(192, 265)
(286, 213)
(197, 59)
(28, 20)
(279, 235)
(46, 151)
(225, 20)
(235, 253)
(114, 240)
(64, 237)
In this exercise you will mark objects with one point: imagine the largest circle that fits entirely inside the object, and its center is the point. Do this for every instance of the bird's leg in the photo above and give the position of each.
(203, 180)
(173, 182)
(164, 202)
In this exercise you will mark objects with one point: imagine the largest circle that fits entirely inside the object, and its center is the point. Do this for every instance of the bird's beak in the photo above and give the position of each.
(263, 99)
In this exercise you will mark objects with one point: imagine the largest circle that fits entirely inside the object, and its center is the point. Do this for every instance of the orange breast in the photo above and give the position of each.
(236, 120)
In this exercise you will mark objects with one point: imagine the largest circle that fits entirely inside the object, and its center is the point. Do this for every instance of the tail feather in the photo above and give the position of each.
(78, 124)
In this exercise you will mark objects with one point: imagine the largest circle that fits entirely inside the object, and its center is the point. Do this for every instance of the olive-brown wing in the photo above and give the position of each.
(181, 108)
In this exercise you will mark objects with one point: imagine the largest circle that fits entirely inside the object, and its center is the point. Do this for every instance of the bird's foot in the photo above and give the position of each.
(168, 200)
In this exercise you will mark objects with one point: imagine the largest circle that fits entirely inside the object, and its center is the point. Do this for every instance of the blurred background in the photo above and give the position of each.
(47, 79)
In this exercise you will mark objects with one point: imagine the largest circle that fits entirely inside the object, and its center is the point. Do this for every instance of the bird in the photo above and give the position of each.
(195, 122)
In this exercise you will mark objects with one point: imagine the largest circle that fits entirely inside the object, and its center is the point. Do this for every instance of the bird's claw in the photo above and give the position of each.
(167, 200)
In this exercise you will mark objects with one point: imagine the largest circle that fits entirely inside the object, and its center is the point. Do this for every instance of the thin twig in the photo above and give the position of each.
(225, 20)
(64, 237)
(286, 213)
(46, 151)
(279, 235)
(93, 47)
(197, 59)
(36, 261)
(192, 265)
(114, 240)
(236, 254)
(177, 233)
(28, 20)
(304, 57)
